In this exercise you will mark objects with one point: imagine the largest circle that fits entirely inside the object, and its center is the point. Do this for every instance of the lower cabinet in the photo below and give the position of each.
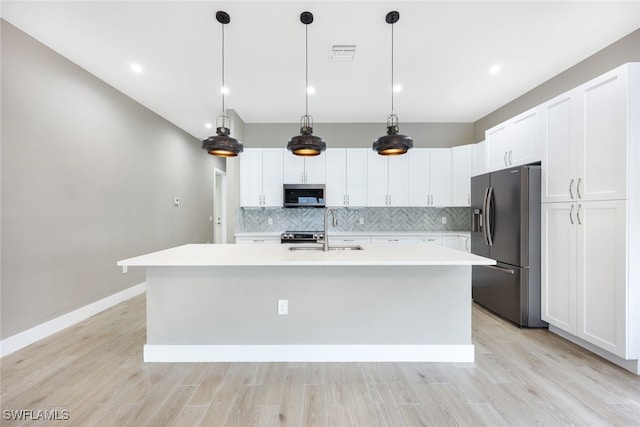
(586, 289)
(257, 239)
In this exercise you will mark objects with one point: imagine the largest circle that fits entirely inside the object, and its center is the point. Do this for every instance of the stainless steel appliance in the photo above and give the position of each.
(303, 195)
(301, 237)
(505, 208)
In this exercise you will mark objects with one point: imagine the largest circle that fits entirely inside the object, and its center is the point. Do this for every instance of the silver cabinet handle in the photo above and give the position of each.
(571, 215)
(571, 188)
(466, 244)
(578, 214)
(348, 200)
(501, 269)
(510, 159)
(505, 159)
(578, 188)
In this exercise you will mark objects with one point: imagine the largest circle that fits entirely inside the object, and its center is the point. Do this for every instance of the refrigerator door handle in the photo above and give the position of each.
(501, 269)
(483, 216)
(487, 216)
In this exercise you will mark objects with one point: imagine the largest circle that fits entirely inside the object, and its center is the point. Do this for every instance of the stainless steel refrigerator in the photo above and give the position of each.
(505, 212)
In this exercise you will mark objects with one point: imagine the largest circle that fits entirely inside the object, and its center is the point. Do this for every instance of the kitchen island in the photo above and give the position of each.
(211, 303)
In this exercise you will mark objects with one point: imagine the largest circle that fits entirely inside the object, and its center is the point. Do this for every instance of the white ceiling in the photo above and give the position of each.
(443, 51)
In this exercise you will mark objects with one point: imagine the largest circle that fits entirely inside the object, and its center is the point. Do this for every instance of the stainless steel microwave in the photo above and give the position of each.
(304, 196)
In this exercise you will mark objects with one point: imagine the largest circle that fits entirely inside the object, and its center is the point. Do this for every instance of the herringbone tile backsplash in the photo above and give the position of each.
(375, 219)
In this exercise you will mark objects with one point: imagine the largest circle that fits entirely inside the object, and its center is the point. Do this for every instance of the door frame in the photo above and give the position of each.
(219, 205)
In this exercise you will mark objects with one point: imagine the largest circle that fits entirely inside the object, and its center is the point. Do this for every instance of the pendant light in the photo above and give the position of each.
(306, 144)
(222, 145)
(392, 144)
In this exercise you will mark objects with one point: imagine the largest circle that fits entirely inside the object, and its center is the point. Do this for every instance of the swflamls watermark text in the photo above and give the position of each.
(35, 414)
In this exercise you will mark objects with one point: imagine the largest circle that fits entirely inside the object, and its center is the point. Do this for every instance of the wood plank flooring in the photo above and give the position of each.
(521, 377)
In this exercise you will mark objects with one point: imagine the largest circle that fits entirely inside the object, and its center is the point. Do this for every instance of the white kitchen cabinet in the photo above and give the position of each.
(461, 161)
(479, 158)
(394, 239)
(584, 281)
(261, 177)
(586, 140)
(387, 180)
(243, 240)
(514, 142)
(560, 148)
(304, 170)
(346, 176)
(451, 242)
(429, 177)
(348, 239)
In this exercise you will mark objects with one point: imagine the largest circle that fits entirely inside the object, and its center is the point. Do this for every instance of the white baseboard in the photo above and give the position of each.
(23, 339)
(629, 365)
(309, 353)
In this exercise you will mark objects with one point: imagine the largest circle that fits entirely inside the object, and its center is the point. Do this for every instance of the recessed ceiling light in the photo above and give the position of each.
(495, 69)
(311, 90)
(397, 88)
(208, 125)
(224, 90)
(136, 68)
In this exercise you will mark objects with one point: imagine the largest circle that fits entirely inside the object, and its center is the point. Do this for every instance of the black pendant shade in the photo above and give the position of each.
(306, 144)
(393, 143)
(222, 145)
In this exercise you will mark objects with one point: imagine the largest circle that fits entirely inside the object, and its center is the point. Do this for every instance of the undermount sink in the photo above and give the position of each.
(331, 248)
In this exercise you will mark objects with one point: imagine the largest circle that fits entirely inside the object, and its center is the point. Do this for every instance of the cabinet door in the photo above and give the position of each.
(451, 242)
(560, 141)
(377, 188)
(601, 274)
(461, 175)
(293, 171)
(440, 176)
(497, 147)
(602, 164)
(398, 180)
(524, 138)
(558, 291)
(251, 177)
(272, 176)
(336, 164)
(356, 176)
(479, 156)
(314, 169)
(419, 161)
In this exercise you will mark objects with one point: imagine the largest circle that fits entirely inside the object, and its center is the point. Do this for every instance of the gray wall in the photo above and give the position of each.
(88, 177)
(360, 135)
(624, 50)
(233, 175)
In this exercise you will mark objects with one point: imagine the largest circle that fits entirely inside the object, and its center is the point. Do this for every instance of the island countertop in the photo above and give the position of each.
(280, 255)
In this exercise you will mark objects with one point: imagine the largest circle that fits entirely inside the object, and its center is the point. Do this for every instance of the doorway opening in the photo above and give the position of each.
(219, 206)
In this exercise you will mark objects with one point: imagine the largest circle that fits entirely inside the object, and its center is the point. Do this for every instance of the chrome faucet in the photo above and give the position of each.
(334, 222)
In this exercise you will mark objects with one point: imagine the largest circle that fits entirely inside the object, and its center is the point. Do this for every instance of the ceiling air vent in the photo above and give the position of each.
(342, 52)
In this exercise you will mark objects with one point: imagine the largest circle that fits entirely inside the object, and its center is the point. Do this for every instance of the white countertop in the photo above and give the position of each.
(280, 255)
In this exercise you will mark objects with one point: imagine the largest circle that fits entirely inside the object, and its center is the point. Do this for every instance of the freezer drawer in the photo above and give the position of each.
(507, 291)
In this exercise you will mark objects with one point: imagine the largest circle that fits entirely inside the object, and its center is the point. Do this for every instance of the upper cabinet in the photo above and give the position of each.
(304, 170)
(261, 177)
(479, 158)
(514, 142)
(429, 177)
(461, 165)
(346, 176)
(587, 140)
(387, 180)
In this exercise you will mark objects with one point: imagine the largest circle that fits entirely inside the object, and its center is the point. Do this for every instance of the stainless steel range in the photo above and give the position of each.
(301, 237)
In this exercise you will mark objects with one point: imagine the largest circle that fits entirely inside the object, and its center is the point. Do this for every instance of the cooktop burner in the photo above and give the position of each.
(301, 236)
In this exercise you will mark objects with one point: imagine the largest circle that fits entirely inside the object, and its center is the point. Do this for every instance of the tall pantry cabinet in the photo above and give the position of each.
(591, 212)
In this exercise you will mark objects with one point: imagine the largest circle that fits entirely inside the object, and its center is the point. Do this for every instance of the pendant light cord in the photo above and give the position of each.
(392, 81)
(306, 69)
(223, 88)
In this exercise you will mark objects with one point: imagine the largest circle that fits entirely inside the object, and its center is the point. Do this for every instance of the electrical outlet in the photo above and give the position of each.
(444, 219)
(270, 221)
(125, 269)
(361, 221)
(283, 306)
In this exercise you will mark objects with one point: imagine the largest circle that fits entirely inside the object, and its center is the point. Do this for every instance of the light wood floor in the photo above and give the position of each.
(521, 377)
